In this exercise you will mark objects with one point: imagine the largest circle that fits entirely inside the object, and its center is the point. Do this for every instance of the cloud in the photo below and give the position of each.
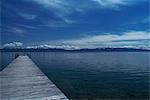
(58, 5)
(28, 16)
(48, 46)
(115, 3)
(18, 31)
(14, 30)
(67, 7)
(13, 45)
(110, 3)
(27, 26)
(62, 9)
(139, 21)
(131, 38)
(146, 20)
(57, 23)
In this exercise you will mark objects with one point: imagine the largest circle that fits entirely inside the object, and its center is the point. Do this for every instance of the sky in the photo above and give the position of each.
(75, 23)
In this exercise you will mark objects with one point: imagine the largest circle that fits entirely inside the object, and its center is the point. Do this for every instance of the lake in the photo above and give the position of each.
(94, 75)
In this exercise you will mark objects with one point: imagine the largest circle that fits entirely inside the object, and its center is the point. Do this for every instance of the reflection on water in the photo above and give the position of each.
(105, 75)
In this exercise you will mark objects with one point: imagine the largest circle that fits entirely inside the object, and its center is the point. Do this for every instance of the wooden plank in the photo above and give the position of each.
(23, 80)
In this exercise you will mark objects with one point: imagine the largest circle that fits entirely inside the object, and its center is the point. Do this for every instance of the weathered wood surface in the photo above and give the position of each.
(23, 80)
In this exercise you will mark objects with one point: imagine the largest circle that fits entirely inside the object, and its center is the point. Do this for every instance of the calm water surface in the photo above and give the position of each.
(103, 75)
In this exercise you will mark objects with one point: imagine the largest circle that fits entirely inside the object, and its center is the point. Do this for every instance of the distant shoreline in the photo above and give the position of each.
(77, 50)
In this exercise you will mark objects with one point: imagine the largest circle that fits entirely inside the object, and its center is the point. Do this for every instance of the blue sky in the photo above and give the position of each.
(79, 23)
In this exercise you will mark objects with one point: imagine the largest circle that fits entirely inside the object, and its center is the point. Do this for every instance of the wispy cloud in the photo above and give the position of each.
(15, 30)
(126, 39)
(28, 16)
(58, 5)
(67, 7)
(57, 23)
(20, 32)
(63, 9)
(60, 8)
(115, 3)
(131, 39)
(145, 20)
(110, 3)
(27, 26)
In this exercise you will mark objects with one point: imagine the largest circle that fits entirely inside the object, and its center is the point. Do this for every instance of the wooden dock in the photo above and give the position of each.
(23, 80)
